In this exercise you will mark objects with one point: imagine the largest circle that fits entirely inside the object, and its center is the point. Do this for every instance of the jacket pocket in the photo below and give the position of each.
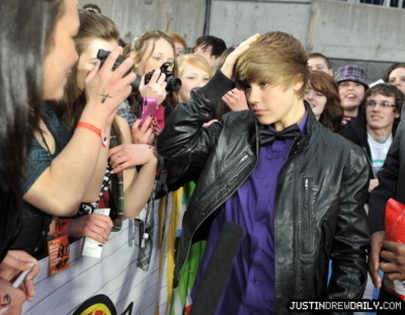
(307, 227)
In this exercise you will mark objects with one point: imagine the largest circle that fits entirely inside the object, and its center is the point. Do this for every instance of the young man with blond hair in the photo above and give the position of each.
(296, 188)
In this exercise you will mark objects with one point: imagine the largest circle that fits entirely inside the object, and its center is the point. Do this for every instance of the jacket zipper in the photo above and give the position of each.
(307, 218)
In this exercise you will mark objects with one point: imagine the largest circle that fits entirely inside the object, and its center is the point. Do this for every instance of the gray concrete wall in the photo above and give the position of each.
(356, 31)
(237, 20)
(133, 17)
(368, 35)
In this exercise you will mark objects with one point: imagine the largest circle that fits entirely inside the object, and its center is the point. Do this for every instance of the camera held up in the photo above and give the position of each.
(173, 83)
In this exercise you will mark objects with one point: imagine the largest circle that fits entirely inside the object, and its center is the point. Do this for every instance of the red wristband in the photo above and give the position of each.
(96, 130)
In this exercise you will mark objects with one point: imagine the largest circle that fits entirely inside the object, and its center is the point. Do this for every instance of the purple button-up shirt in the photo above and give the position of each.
(250, 287)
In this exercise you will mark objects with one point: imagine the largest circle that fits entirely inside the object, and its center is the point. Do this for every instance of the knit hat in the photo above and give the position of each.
(351, 73)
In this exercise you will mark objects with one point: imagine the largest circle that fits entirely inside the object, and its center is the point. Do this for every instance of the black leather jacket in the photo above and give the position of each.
(320, 195)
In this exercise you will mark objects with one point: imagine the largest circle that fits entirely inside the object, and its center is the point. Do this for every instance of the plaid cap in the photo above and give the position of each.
(351, 73)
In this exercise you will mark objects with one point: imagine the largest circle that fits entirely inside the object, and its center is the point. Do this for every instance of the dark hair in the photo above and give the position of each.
(122, 43)
(391, 68)
(94, 8)
(218, 45)
(92, 26)
(332, 114)
(319, 55)
(25, 38)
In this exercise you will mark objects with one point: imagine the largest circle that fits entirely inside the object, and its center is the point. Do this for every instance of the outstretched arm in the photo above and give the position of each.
(60, 188)
(138, 186)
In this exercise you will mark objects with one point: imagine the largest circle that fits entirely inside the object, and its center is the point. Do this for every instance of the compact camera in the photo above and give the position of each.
(173, 83)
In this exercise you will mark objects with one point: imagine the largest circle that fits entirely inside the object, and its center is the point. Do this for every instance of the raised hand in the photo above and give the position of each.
(107, 88)
(143, 134)
(235, 99)
(129, 155)
(156, 87)
(230, 61)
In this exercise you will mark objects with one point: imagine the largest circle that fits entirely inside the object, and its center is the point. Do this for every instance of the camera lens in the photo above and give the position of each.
(173, 84)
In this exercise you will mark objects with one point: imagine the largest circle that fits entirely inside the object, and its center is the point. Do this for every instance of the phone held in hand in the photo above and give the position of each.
(149, 105)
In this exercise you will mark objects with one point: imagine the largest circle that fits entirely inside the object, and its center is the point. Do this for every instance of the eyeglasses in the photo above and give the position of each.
(382, 104)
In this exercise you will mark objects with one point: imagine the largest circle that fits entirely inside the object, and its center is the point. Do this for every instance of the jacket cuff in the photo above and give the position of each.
(217, 87)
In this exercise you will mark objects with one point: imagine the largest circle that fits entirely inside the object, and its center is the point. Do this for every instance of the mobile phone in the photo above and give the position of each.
(17, 282)
(160, 116)
(148, 108)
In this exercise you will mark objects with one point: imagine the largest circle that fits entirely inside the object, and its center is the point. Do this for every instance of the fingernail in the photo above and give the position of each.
(30, 263)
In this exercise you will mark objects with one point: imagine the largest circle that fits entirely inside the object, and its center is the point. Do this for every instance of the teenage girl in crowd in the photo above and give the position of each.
(323, 96)
(395, 75)
(24, 73)
(149, 51)
(66, 169)
(127, 192)
(194, 72)
(352, 84)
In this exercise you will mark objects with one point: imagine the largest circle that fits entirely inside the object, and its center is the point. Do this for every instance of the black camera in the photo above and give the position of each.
(173, 84)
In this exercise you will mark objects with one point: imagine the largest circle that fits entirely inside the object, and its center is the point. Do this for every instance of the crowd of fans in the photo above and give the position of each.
(262, 135)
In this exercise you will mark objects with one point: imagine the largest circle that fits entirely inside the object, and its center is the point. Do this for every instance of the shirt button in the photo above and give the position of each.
(281, 260)
(267, 185)
(253, 280)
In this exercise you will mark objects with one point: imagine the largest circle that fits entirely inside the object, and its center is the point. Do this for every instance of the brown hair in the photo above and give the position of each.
(177, 38)
(386, 76)
(387, 90)
(92, 26)
(323, 57)
(332, 114)
(140, 46)
(277, 58)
